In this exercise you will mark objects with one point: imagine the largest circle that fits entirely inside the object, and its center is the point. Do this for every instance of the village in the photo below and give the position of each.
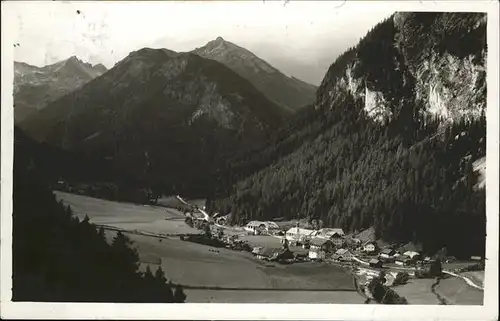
(292, 261)
(360, 253)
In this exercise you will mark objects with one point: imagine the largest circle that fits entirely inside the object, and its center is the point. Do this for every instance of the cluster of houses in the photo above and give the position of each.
(326, 243)
(406, 255)
(333, 244)
(262, 227)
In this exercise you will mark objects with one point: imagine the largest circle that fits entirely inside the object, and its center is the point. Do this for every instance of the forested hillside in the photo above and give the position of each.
(390, 142)
(58, 258)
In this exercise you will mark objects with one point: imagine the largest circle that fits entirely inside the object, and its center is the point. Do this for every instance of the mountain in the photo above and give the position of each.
(35, 87)
(289, 92)
(167, 117)
(394, 141)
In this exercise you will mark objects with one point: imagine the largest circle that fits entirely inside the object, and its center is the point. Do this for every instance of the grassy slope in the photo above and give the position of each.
(194, 264)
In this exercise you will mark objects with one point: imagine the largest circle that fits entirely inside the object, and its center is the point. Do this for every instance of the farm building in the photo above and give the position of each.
(274, 254)
(336, 235)
(375, 263)
(319, 248)
(410, 247)
(352, 243)
(297, 234)
(411, 254)
(387, 253)
(328, 233)
(265, 253)
(355, 241)
(403, 260)
(343, 255)
(370, 247)
(267, 227)
(222, 219)
(337, 239)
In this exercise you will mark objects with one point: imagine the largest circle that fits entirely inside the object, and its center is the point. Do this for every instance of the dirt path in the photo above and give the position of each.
(466, 279)
(441, 299)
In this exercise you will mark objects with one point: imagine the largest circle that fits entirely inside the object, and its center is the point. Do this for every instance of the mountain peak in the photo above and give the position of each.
(293, 93)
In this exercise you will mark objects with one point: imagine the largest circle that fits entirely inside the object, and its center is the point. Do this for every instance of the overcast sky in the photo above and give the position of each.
(299, 38)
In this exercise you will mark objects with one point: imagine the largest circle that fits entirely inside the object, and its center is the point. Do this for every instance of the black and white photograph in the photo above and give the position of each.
(204, 154)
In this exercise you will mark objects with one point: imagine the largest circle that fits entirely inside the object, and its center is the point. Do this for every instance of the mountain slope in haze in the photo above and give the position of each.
(289, 92)
(391, 142)
(168, 117)
(76, 172)
(35, 87)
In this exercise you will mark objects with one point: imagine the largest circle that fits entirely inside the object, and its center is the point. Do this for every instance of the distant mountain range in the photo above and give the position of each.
(164, 115)
(291, 93)
(35, 87)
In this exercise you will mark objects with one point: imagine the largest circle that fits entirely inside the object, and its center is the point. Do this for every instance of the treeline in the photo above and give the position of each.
(58, 258)
(81, 173)
(410, 176)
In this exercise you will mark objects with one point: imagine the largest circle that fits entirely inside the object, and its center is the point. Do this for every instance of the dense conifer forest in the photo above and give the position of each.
(409, 175)
(57, 257)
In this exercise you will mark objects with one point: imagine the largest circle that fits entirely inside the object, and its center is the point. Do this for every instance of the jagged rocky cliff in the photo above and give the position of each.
(437, 61)
(35, 87)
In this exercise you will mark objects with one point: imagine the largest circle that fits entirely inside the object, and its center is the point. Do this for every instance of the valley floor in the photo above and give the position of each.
(227, 276)
(216, 276)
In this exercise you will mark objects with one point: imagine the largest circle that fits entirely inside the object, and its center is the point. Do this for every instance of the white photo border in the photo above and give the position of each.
(192, 311)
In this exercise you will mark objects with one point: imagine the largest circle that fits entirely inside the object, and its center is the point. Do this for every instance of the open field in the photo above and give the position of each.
(128, 216)
(223, 275)
(456, 291)
(193, 264)
(225, 296)
(457, 265)
(418, 291)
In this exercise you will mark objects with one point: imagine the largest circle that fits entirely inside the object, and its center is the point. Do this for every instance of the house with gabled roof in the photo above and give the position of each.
(403, 260)
(343, 255)
(370, 247)
(297, 234)
(319, 248)
(375, 263)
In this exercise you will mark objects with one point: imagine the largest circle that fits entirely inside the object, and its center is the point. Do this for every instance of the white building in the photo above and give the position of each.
(411, 254)
(369, 247)
(344, 255)
(297, 234)
(267, 226)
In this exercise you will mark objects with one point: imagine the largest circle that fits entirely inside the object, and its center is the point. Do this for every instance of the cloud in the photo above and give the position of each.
(299, 38)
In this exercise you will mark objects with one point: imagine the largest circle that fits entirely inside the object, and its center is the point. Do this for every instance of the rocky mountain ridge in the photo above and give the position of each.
(447, 80)
(289, 92)
(35, 87)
